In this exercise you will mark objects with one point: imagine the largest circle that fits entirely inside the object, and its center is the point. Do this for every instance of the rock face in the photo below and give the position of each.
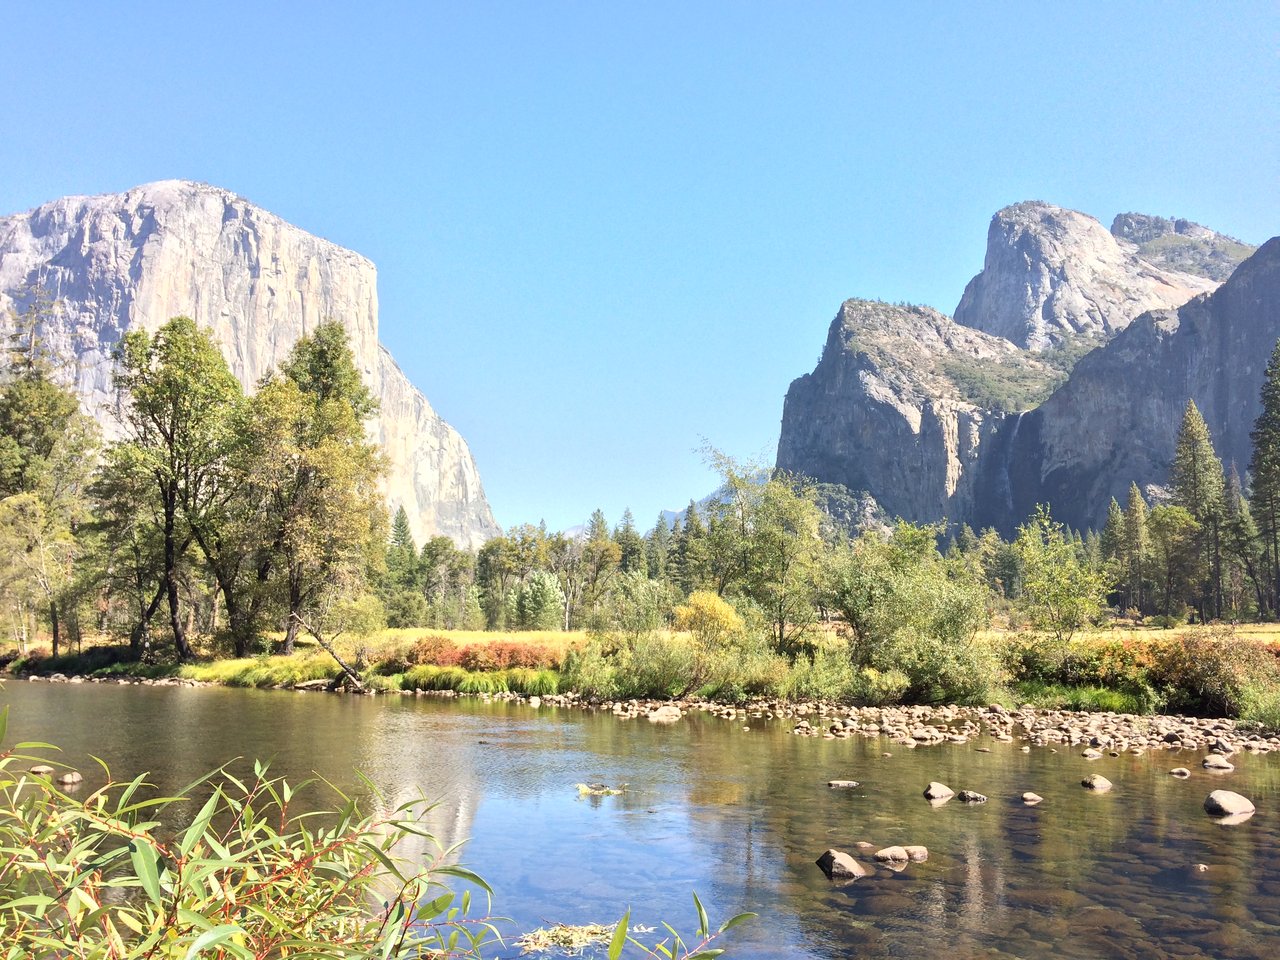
(972, 421)
(887, 410)
(1116, 418)
(134, 260)
(1051, 274)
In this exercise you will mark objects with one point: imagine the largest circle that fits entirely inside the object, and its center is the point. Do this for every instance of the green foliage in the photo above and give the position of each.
(910, 610)
(109, 876)
(540, 602)
(1060, 591)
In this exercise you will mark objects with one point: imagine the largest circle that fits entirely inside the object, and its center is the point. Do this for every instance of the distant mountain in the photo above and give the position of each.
(133, 260)
(971, 419)
(1052, 273)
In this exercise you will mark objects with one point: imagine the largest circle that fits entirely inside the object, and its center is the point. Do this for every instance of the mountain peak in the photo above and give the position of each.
(1051, 274)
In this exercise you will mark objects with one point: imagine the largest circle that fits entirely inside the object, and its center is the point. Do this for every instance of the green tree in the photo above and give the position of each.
(907, 608)
(1174, 561)
(631, 551)
(658, 549)
(1060, 592)
(540, 602)
(1137, 549)
(1196, 481)
(178, 403)
(1264, 474)
(320, 479)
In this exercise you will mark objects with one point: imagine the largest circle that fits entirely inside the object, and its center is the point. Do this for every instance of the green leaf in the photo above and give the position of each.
(146, 864)
(619, 937)
(199, 824)
(734, 921)
(704, 925)
(213, 938)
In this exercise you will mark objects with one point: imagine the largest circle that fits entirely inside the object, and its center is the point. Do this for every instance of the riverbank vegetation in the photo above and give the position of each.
(240, 537)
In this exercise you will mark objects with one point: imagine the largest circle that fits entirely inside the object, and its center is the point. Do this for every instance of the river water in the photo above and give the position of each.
(739, 817)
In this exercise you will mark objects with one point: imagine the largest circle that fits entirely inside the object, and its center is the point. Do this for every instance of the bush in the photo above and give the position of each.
(827, 674)
(247, 877)
(504, 654)
(428, 677)
(941, 671)
(1211, 672)
(434, 650)
(654, 665)
(589, 671)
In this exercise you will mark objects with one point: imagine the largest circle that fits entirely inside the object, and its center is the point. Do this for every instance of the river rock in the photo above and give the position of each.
(838, 865)
(1031, 799)
(842, 784)
(1218, 763)
(916, 853)
(892, 855)
(1092, 754)
(1225, 803)
(1096, 782)
(42, 770)
(970, 796)
(1180, 772)
(938, 792)
(535, 702)
(667, 713)
(70, 778)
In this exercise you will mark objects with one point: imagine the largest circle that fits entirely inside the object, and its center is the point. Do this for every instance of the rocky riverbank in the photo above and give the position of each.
(907, 727)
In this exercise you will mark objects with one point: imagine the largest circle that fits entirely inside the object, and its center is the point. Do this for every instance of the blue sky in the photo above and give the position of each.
(607, 232)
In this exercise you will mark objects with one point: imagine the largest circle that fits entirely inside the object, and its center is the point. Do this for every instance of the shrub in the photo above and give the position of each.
(589, 671)
(654, 665)
(939, 671)
(876, 688)
(504, 654)
(1213, 673)
(433, 649)
(826, 674)
(247, 877)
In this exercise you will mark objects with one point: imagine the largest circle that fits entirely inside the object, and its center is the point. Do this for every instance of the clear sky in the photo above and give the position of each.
(606, 232)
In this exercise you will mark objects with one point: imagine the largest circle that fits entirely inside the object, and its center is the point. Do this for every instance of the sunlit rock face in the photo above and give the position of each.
(978, 419)
(1052, 273)
(134, 260)
(1115, 420)
(886, 412)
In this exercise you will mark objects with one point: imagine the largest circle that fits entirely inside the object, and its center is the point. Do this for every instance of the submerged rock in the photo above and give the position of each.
(892, 854)
(970, 796)
(1031, 799)
(1182, 773)
(1217, 763)
(1096, 782)
(843, 784)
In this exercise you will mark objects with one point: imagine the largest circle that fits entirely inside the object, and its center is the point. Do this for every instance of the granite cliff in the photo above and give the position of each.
(976, 419)
(1051, 274)
(1116, 418)
(133, 260)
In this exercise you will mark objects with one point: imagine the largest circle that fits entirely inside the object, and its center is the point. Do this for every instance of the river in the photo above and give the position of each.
(740, 816)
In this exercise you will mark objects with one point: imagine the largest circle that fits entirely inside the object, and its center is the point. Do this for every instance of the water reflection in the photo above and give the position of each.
(740, 817)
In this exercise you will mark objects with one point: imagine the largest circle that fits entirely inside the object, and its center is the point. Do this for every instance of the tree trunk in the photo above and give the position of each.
(171, 576)
(53, 625)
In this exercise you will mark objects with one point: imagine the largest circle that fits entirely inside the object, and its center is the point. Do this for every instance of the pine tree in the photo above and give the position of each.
(1113, 533)
(1197, 482)
(631, 545)
(1264, 475)
(658, 549)
(1242, 546)
(1137, 547)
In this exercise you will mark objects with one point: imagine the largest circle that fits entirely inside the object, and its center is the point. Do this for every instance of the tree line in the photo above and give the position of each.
(239, 515)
